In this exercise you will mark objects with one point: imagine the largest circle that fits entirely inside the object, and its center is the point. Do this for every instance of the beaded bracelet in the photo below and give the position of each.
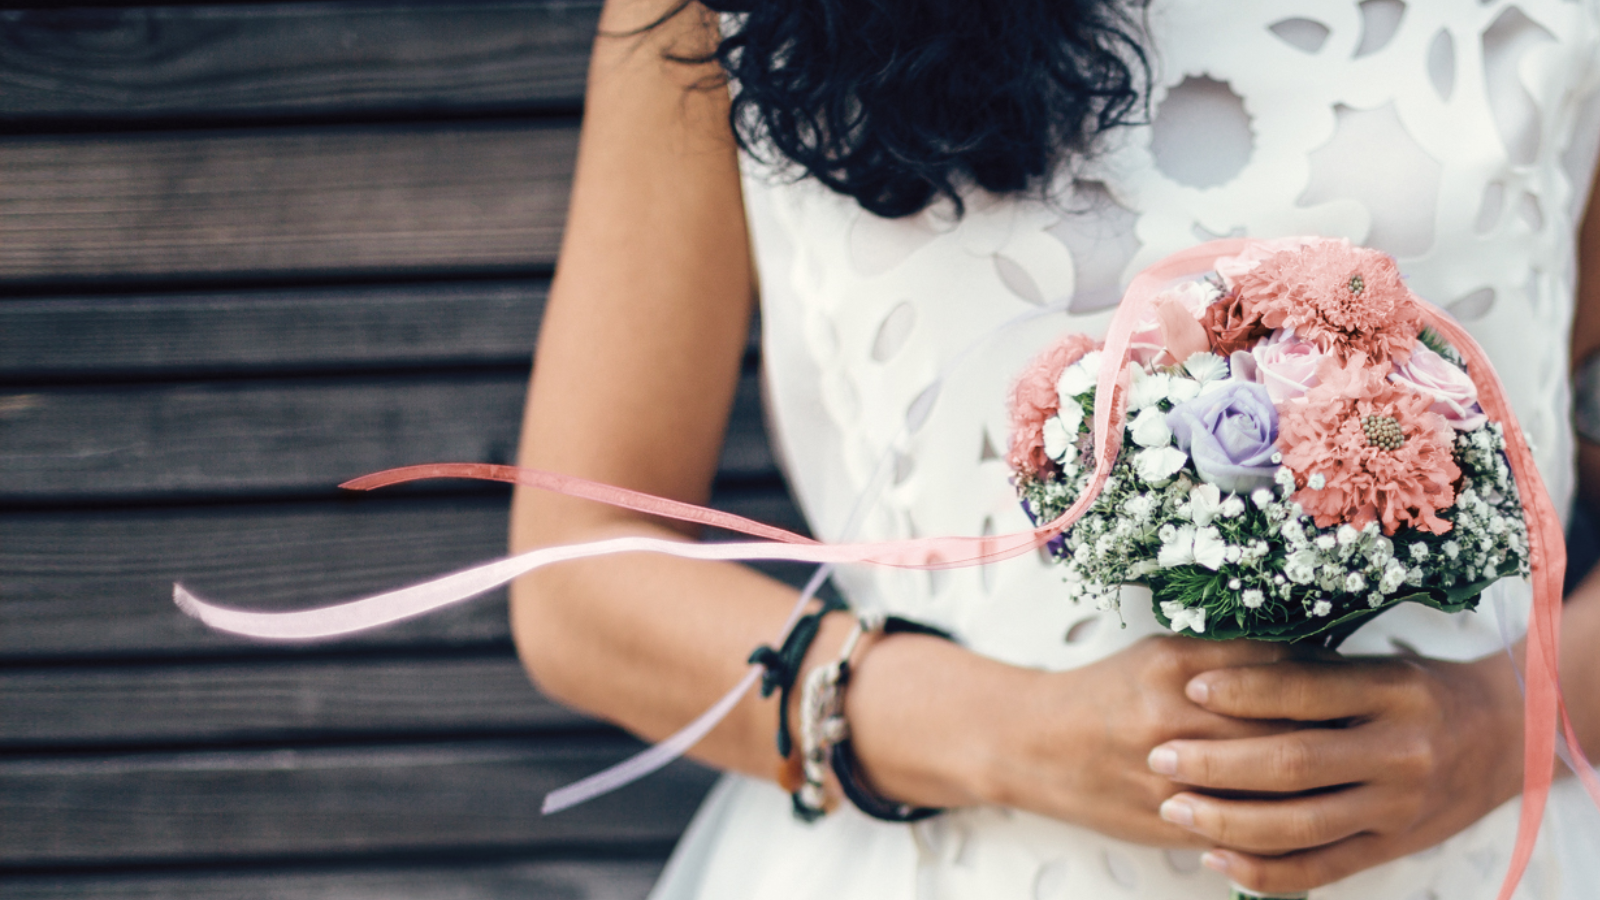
(825, 735)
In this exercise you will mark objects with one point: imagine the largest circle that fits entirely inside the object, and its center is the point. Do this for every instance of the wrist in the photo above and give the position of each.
(920, 711)
(1499, 713)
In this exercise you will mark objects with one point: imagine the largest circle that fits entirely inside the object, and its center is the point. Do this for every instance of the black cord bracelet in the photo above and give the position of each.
(783, 666)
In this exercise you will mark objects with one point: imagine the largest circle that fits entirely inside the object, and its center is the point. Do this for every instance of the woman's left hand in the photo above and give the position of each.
(1399, 754)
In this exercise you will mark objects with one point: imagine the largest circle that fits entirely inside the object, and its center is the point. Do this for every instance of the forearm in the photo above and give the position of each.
(649, 642)
(639, 356)
(1496, 682)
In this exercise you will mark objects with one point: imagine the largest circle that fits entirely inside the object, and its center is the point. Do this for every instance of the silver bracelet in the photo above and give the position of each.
(822, 722)
(1586, 398)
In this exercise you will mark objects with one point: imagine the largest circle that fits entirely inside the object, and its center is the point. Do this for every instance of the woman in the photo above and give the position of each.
(1078, 758)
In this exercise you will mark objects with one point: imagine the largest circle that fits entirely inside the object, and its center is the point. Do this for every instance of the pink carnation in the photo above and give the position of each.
(1034, 400)
(1342, 298)
(1230, 268)
(1374, 448)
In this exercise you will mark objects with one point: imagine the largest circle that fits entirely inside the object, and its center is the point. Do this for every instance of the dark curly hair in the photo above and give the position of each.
(899, 102)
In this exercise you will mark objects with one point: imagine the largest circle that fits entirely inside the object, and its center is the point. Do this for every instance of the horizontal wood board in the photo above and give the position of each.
(78, 585)
(328, 802)
(292, 59)
(311, 202)
(538, 879)
(264, 437)
(381, 326)
(576, 879)
(195, 334)
(212, 703)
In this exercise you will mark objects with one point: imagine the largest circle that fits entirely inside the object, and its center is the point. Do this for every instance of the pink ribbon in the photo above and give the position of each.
(1546, 549)
(1547, 554)
(924, 553)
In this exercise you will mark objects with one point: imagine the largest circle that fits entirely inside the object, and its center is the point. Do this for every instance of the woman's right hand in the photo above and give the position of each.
(937, 725)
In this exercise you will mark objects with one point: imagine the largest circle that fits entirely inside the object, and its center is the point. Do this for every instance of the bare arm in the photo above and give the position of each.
(638, 359)
(1580, 635)
(637, 363)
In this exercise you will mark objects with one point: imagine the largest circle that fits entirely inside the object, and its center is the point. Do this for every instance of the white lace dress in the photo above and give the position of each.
(1458, 135)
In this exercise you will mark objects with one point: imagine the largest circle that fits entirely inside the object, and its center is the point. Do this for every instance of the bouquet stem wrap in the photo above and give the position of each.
(1547, 552)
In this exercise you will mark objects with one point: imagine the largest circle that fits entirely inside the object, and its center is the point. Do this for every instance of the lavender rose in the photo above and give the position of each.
(1229, 433)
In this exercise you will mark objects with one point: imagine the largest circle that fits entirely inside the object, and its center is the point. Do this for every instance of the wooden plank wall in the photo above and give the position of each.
(248, 251)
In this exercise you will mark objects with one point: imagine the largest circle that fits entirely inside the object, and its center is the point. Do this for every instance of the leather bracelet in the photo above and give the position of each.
(845, 767)
(825, 735)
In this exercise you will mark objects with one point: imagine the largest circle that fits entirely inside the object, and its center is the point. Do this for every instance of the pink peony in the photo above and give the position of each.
(1454, 395)
(1342, 298)
(1282, 363)
(1034, 400)
(1365, 449)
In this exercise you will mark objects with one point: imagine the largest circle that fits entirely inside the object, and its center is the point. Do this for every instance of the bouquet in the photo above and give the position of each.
(1299, 453)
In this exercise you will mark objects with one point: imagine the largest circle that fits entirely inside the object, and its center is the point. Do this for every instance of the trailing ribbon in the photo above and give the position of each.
(1547, 556)
(1547, 553)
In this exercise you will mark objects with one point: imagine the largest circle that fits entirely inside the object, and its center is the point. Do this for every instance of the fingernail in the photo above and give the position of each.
(1197, 690)
(1216, 862)
(1163, 760)
(1178, 812)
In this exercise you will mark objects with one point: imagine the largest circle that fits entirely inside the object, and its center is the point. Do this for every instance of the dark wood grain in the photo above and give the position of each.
(578, 879)
(378, 326)
(292, 700)
(329, 801)
(279, 436)
(293, 59)
(306, 202)
(76, 584)
(83, 583)
(195, 334)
